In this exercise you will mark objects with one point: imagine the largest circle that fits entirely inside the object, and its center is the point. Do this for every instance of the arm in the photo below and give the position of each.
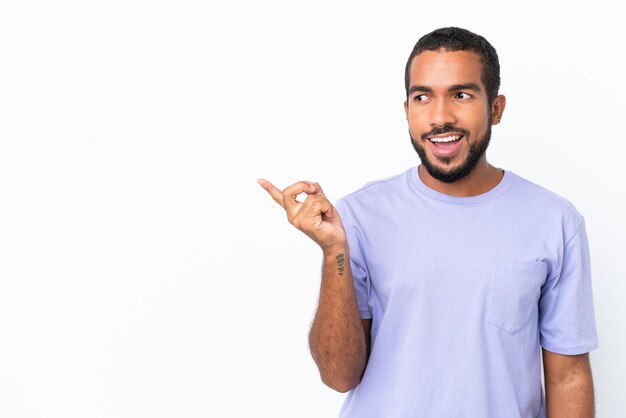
(338, 337)
(569, 385)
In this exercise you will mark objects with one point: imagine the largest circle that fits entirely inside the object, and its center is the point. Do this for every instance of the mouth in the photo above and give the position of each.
(445, 145)
(446, 138)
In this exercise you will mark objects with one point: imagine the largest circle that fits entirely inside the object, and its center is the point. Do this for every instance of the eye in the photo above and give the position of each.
(463, 96)
(420, 97)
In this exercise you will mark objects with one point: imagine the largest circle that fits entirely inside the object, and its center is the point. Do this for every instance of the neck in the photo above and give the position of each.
(481, 179)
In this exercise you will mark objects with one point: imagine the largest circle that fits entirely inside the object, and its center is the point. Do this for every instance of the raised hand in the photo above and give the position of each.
(315, 216)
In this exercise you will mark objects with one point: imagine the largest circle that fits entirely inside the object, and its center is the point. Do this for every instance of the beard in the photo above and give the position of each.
(474, 154)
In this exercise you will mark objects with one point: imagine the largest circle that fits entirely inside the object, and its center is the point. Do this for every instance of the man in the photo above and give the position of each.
(442, 286)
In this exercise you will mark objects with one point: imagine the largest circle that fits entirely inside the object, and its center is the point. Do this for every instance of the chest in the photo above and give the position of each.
(448, 255)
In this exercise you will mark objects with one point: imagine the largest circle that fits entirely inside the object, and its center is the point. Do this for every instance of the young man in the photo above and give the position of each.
(442, 286)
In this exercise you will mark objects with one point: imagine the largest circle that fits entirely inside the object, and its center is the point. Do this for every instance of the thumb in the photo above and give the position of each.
(317, 188)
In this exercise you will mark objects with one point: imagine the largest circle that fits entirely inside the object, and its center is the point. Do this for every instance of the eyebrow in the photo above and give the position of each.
(466, 86)
(456, 87)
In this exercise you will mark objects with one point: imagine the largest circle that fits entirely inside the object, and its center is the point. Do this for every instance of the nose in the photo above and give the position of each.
(442, 113)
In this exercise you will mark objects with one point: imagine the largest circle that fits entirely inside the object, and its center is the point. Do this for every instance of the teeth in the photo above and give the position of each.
(446, 139)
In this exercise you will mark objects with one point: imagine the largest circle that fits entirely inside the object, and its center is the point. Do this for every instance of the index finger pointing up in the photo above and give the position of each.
(276, 194)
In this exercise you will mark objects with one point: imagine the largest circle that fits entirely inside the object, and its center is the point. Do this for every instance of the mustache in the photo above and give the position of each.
(444, 129)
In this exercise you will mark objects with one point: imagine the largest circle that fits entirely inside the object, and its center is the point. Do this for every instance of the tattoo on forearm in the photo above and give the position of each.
(340, 265)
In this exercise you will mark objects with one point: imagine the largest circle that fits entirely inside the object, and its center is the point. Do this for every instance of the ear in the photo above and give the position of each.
(406, 109)
(497, 108)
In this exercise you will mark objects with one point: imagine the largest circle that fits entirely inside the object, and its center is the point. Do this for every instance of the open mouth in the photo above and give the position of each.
(445, 139)
(445, 145)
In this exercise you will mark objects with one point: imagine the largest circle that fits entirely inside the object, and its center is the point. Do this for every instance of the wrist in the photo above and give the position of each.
(335, 250)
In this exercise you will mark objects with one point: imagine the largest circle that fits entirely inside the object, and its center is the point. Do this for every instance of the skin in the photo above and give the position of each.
(569, 385)
(339, 339)
(467, 109)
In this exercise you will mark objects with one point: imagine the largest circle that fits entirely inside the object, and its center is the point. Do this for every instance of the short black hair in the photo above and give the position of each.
(458, 39)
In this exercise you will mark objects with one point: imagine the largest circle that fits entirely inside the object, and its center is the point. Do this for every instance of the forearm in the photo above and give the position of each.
(571, 398)
(337, 339)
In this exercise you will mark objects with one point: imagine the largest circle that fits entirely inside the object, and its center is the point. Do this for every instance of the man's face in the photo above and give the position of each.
(448, 112)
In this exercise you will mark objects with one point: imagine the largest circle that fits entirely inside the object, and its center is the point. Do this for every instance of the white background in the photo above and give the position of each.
(144, 273)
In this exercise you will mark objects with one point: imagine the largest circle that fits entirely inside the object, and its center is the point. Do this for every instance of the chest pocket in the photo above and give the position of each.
(514, 294)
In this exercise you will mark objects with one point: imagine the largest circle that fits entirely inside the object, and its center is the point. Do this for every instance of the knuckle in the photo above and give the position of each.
(316, 206)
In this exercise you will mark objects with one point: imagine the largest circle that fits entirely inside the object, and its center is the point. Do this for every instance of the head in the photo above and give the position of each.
(452, 79)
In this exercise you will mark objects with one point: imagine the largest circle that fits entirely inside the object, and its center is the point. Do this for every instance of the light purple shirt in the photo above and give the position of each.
(462, 292)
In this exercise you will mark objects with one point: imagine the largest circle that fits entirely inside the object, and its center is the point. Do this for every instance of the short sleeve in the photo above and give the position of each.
(360, 274)
(566, 314)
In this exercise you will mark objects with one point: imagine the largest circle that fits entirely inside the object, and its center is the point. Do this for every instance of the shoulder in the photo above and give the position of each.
(539, 201)
(374, 193)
